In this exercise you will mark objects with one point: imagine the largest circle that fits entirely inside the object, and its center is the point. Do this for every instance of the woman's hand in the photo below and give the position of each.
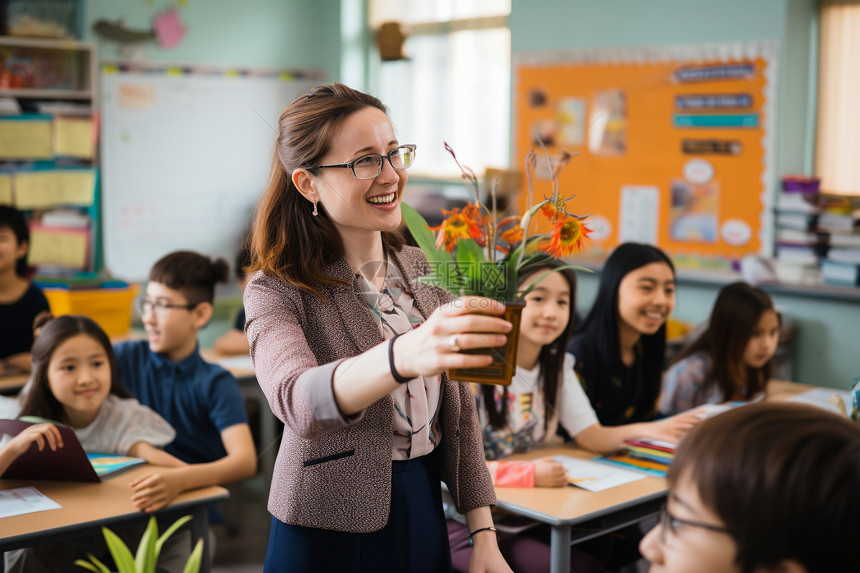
(549, 473)
(464, 323)
(674, 428)
(41, 434)
(486, 556)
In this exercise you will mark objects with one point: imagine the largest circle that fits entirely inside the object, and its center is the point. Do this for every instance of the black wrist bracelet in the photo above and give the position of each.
(493, 529)
(397, 376)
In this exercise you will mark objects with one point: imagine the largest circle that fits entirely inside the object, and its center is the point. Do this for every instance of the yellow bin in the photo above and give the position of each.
(109, 307)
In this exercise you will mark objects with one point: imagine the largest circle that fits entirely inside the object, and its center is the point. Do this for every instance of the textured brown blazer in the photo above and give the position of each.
(332, 472)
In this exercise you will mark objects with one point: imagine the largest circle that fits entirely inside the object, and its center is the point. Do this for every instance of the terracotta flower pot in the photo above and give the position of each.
(501, 371)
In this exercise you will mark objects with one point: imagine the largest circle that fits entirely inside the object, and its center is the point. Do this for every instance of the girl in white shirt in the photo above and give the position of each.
(545, 394)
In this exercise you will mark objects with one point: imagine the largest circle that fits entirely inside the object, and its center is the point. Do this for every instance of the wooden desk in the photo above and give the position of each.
(86, 507)
(779, 389)
(594, 513)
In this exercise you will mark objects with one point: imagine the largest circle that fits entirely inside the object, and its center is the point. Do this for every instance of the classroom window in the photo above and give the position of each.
(455, 85)
(838, 133)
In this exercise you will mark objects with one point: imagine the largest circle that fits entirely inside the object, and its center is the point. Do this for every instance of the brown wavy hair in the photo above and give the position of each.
(287, 242)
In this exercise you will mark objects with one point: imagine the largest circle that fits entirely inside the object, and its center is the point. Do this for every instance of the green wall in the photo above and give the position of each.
(264, 33)
(826, 340)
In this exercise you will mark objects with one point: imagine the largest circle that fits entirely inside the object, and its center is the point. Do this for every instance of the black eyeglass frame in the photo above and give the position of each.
(669, 521)
(154, 306)
(351, 164)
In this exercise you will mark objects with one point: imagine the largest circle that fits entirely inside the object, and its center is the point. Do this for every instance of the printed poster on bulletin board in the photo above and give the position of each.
(672, 144)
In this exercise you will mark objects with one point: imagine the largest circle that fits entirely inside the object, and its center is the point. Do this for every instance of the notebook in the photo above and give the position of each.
(69, 463)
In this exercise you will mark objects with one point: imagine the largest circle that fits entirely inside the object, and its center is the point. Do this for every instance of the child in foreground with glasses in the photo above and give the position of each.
(201, 401)
(766, 487)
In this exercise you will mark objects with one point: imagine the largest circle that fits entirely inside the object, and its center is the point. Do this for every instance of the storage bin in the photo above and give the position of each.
(111, 308)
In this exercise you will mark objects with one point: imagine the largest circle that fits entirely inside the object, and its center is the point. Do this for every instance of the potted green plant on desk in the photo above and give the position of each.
(148, 550)
(474, 254)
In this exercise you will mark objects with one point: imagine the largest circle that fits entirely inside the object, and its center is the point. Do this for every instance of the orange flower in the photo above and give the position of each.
(567, 236)
(460, 225)
(512, 235)
(548, 210)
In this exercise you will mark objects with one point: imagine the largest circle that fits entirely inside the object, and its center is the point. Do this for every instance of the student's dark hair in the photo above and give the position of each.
(13, 219)
(551, 357)
(191, 273)
(784, 479)
(601, 327)
(39, 400)
(734, 318)
(288, 242)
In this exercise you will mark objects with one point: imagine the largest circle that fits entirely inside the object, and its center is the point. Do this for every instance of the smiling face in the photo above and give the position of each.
(359, 206)
(646, 298)
(79, 375)
(547, 310)
(763, 342)
(676, 547)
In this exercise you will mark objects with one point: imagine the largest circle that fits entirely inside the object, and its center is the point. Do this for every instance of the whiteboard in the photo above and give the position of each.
(185, 155)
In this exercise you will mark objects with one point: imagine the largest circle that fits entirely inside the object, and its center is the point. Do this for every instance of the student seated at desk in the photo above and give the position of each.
(621, 347)
(731, 359)
(544, 395)
(770, 487)
(20, 300)
(74, 382)
(234, 342)
(201, 401)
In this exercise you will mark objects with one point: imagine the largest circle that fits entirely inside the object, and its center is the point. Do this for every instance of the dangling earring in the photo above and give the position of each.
(315, 212)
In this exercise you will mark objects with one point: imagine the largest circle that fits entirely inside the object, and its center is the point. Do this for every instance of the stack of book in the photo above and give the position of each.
(799, 245)
(650, 456)
(841, 220)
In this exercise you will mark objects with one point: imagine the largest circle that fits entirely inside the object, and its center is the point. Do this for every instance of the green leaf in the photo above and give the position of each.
(470, 263)
(147, 555)
(170, 531)
(99, 567)
(441, 261)
(119, 551)
(194, 560)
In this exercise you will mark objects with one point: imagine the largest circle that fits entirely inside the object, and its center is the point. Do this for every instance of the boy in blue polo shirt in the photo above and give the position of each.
(201, 401)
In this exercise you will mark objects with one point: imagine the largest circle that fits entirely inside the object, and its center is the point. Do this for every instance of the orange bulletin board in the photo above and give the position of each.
(672, 145)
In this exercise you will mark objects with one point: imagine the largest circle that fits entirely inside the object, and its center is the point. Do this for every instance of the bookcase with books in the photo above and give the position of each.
(817, 235)
(48, 150)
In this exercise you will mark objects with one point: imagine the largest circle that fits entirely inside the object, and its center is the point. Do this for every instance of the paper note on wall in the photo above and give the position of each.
(5, 189)
(639, 214)
(73, 137)
(52, 246)
(25, 139)
(40, 189)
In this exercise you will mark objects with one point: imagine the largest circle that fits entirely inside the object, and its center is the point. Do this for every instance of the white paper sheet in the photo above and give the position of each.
(594, 476)
(821, 397)
(241, 362)
(639, 214)
(24, 500)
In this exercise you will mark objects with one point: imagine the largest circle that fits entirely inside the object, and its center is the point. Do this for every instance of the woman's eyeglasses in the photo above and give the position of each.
(671, 524)
(370, 165)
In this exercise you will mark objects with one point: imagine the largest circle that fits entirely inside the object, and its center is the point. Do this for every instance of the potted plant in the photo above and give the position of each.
(147, 553)
(474, 253)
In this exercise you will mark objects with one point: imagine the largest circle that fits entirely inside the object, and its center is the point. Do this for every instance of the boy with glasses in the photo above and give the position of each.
(201, 401)
(766, 487)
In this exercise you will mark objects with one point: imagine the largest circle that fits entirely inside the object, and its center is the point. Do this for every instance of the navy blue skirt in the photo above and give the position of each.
(414, 540)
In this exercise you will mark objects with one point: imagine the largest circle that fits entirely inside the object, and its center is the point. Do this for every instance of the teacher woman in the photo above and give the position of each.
(351, 353)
